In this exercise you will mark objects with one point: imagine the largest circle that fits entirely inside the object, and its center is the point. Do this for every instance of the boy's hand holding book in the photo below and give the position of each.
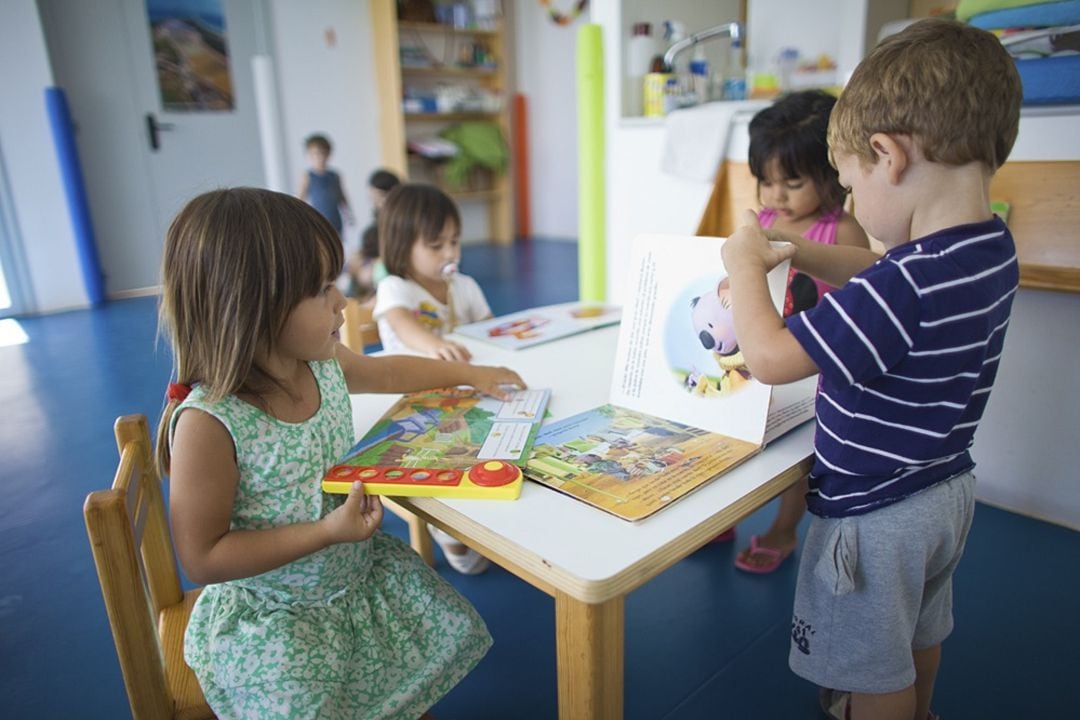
(749, 250)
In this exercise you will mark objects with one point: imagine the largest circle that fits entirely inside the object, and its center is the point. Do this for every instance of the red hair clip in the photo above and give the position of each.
(177, 392)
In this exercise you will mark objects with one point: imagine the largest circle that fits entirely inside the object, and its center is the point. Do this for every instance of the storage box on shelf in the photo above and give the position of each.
(431, 75)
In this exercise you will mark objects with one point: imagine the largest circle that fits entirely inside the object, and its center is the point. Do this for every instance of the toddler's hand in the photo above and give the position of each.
(357, 519)
(491, 380)
(748, 249)
(446, 350)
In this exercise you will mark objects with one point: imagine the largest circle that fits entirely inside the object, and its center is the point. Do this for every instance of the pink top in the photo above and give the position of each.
(822, 231)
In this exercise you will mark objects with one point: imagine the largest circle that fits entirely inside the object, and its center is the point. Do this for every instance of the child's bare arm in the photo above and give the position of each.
(417, 337)
(302, 193)
(832, 264)
(203, 482)
(771, 352)
(849, 232)
(408, 373)
(346, 208)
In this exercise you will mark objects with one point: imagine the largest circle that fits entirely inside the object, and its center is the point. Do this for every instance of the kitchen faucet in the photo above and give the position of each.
(732, 30)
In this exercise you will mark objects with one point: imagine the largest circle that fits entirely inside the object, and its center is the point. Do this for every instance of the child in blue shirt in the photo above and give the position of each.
(321, 187)
(908, 347)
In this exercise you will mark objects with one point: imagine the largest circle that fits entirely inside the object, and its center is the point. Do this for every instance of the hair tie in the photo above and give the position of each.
(177, 392)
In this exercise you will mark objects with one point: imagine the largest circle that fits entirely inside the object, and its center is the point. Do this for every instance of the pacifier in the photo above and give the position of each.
(449, 270)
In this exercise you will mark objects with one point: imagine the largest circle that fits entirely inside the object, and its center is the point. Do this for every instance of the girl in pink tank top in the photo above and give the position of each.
(822, 231)
(797, 186)
(799, 192)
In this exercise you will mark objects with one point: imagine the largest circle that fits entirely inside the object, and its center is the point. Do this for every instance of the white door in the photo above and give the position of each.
(102, 54)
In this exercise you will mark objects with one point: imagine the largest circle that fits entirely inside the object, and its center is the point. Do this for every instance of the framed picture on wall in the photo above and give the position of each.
(191, 54)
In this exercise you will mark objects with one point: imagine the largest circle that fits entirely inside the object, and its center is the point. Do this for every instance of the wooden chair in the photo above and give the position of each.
(136, 566)
(359, 331)
(360, 328)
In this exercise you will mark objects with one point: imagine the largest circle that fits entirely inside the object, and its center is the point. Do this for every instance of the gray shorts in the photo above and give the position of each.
(874, 587)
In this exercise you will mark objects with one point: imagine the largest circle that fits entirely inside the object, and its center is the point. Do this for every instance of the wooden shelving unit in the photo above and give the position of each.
(444, 45)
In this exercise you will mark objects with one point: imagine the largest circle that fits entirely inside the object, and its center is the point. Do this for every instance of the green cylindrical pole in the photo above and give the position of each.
(590, 95)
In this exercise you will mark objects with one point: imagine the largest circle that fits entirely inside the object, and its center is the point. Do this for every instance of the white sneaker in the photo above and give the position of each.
(469, 562)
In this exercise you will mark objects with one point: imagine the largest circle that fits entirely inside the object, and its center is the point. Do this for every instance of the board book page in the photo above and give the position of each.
(540, 325)
(679, 376)
(629, 463)
(451, 429)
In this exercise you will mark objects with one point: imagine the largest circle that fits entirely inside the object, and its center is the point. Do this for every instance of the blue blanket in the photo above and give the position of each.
(1048, 14)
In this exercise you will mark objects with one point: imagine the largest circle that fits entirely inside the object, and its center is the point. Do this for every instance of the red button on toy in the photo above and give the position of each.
(494, 473)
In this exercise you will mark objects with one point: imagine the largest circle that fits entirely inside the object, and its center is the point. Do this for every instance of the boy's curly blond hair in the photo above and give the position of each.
(951, 87)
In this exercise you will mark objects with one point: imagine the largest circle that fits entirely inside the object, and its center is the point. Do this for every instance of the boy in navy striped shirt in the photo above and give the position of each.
(907, 348)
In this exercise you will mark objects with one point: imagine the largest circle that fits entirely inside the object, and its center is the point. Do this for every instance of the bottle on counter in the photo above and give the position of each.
(640, 49)
(735, 74)
(673, 96)
(655, 86)
(786, 62)
(699, 76)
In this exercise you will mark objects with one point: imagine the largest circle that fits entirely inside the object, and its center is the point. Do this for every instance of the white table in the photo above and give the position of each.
(586, 559)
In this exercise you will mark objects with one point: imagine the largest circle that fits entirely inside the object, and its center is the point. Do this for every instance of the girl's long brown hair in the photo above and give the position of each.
(235, 264)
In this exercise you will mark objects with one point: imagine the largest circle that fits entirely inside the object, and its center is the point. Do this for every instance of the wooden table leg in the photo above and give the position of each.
(419, 538)
(589, 658)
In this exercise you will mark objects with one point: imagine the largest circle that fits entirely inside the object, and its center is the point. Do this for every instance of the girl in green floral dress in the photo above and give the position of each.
(308, 611)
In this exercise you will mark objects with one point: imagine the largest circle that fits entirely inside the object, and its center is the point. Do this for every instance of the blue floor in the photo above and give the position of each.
(702, 641)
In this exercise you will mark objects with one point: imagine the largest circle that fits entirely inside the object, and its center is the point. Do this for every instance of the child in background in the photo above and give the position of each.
(364, 266)
(308, 610)
(423, 296)
(322, 187)
(908, 349)
(799, 193)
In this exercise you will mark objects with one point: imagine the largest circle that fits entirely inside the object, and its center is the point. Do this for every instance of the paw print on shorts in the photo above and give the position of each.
(801, 631)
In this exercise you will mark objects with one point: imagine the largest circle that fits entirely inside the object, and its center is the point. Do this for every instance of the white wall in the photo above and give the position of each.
(41, 220)
(328, 88)
(546, 75)
(320, 88)
(1026, 448)
(814, 28)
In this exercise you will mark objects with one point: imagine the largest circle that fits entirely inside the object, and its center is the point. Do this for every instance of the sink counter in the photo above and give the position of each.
(1041, 181)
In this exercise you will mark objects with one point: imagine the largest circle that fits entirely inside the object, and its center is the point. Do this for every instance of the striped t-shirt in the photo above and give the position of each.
(908, 351)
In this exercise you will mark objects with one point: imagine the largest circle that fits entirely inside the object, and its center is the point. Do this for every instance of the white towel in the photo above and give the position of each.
(696, 138)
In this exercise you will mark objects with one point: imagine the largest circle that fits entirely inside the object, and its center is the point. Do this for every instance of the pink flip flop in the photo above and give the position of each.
(775, 557)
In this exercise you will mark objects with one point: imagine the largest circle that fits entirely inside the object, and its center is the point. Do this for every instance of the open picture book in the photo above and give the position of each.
(684, 409)
(540, 325)
(451, 429)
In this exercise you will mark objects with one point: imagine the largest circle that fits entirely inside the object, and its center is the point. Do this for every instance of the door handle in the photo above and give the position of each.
(153, 127)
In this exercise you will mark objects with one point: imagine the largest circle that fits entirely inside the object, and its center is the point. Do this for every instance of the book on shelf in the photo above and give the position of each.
(540, 325)
(451, 429)
(684, 409)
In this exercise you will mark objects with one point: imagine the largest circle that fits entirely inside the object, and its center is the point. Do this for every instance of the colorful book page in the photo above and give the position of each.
(453, 429)
(628, 463)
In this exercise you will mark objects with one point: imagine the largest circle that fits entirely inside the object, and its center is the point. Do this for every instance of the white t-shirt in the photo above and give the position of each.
(393, 291)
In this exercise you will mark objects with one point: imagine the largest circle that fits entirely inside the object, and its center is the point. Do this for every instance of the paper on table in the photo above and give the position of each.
(527, 328)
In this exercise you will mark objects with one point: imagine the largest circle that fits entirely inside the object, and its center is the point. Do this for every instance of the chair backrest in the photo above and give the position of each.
(136, 566)
(360, 328)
